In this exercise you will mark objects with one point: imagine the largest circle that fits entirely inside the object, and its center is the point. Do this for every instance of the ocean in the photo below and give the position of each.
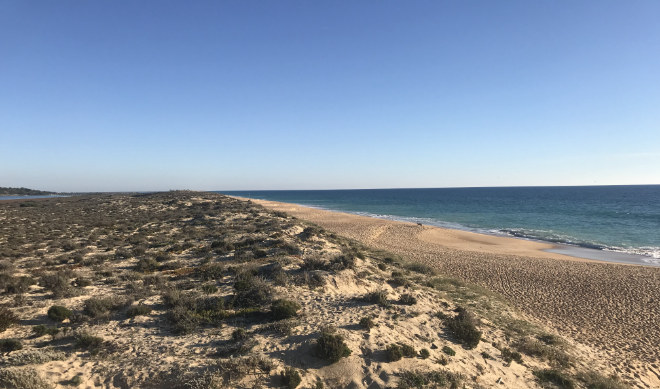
(619, 223)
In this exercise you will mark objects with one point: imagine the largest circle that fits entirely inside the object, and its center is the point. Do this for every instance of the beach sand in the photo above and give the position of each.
(612, 307)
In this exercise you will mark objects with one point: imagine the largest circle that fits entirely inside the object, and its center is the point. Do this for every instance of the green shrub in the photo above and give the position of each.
(239, 334)
(367, 323)
(464, 328)
(59, 313)
(138, 310)
(508, 356)
(290, 378)
(251, 291)
(407, 299)
(555, 377)
(449, 351)
(22, 378)
(146, 265)
(41, 330)
(89, 342)
(9, 345)
(101, 307)
(377, 297)
(594, 380)
(284, 309)
(408, 351)
(393, 352)
(7, 319)
(424, 353)
(331, 346)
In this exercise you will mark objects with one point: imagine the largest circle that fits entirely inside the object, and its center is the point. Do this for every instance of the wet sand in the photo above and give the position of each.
(614, 307)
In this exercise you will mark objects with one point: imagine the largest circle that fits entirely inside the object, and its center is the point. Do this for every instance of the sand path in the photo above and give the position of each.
(613, 307)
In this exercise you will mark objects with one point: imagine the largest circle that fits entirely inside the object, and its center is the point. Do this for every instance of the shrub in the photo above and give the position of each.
(7, 319)
(284, 309)
(382, 267)
(209, 288)
(22, 378)
(449, 351)
(183, 320)
(41, 330)
(290, 378)
(138, 310)
(239, 334)
(593, 380)
(377, 297)
(36, 357)
(19, 285)
(86, 341)
(367, 323)
(59, 313)
(59, 284)
(101, 307)
(331, 346)
(407, 299)
(146, 265)
(408, 351)
(251, 291)
(508, 356)
(464, 328)
(393, 352)
(555, 377)
(9, 345)
(424, 353)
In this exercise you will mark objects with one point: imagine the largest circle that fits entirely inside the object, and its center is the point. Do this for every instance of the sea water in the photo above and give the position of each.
(622, 220)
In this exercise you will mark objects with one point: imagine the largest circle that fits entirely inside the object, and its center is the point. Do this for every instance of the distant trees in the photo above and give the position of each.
(22, 192)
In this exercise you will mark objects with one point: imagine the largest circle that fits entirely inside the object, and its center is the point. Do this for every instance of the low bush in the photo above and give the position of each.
(331, 346)
(22, 378)
(9, 345)
(98, 308)
(239, 334)
(449, 351)
(138, 310)
(7, 319)
(251, 291)
(284, 309)
(377, 297)
(554, 377)
(367, 323)
(407, 299)
(464, 328)
(424, 353)
(86, 341)
(59, 313)
(146, 265)
(290, 378)
(58, 283)
(508, 355)
(393, 352)
(41, 330)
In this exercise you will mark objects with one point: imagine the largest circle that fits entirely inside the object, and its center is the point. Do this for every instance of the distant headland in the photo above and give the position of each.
(4, 191)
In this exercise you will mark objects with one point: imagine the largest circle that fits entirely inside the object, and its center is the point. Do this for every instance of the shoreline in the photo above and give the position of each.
(493, 243)
(610, 306)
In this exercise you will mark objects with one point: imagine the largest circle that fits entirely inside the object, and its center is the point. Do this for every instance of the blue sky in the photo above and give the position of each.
(157, 95)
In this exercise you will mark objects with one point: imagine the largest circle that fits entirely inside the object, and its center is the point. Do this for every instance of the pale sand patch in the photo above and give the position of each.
(612, 307)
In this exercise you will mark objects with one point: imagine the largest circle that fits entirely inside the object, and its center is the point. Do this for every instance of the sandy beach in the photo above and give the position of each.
(612, 307)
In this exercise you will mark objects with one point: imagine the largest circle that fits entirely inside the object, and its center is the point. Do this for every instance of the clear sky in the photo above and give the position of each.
(221, 95)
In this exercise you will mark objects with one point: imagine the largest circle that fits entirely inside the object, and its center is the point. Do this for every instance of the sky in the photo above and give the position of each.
(247, 95)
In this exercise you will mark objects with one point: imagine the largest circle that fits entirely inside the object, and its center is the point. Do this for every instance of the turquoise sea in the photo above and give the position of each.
(619, 223)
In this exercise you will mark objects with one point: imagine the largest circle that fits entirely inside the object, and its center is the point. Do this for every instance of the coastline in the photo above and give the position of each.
(483, 242)
(610, 306)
